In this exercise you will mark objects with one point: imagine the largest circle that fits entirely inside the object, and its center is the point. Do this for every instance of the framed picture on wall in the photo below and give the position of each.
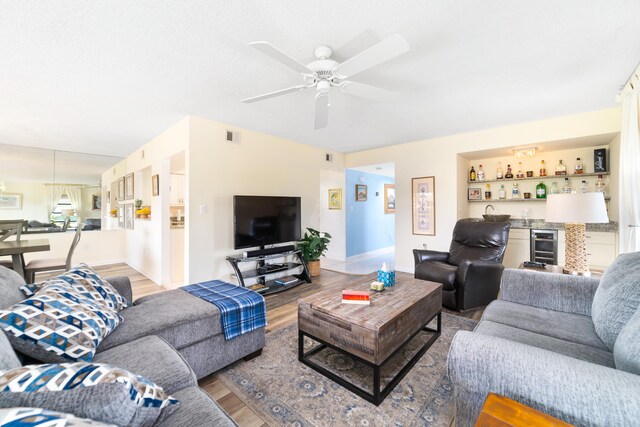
(335, 198)
(128, 186)
(11, 201)
(121, 216)
(424, 205)
(389, 198)
(474, 194)
(96, 202)
(121, 188)
(155, 185)
(361, 193)
(128, 216)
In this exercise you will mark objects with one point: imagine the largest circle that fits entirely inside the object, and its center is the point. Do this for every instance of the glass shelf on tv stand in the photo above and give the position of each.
(242, 258)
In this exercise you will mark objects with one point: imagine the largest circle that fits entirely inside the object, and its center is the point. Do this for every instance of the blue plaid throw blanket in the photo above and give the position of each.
(242, 310)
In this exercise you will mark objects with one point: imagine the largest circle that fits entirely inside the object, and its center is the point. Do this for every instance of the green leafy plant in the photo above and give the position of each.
(314, 244)
(138, 203)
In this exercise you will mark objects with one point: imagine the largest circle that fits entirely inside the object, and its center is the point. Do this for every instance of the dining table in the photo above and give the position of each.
(17, 249)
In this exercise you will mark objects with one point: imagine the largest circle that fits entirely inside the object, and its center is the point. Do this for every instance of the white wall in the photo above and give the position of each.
(333, 221)
(34, 198)
(259, 164)
(439, 157)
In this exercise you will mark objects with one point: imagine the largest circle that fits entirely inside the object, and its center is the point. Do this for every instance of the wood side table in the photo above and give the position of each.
(500, 411)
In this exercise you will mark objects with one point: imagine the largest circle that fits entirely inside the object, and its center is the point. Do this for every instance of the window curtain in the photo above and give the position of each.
(75, 197)
(629, 166)
(54, 192)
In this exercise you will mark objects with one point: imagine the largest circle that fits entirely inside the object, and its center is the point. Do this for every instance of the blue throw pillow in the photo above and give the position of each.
(38, 417)
(88, 390)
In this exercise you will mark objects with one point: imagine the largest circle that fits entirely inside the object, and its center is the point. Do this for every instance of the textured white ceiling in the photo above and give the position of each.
(107, 76)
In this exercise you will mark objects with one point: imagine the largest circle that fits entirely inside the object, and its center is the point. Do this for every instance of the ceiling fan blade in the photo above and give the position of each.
(368, 92)
(281, 57)
(387, 49)
(322, 111)
(276, 93)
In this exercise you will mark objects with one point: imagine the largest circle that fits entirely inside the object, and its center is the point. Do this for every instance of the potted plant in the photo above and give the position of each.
(138, 205)
(143, 213)
(314, 245)
(114, 212)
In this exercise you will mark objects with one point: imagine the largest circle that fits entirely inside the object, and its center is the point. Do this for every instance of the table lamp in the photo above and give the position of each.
(575, 210)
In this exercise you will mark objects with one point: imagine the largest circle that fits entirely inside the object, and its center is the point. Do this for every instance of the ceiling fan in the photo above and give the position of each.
(325, 73)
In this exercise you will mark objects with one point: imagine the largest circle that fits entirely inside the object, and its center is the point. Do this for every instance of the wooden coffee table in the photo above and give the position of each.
(372, 333)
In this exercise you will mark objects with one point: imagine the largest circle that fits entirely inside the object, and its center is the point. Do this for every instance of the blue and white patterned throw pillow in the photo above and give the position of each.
(58, 324)
(38, 417)
(86, 282)
(89, 390)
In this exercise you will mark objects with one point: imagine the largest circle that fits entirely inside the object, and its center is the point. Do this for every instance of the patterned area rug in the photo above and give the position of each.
(283, 391)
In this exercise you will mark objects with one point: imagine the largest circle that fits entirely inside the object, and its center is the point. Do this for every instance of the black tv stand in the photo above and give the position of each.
(264, 268)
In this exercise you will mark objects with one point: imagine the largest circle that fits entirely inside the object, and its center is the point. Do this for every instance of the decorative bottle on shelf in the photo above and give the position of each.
(583, 186)
(600, 185)
(579, 167)
(566, 188)
(509, 174)
(499, 174)
(487, 192)
(502, 194)
(543, 169)
(561, 169)
(515, 191)
(472, 174)
(554, 188)
(541, 191)
(480, 174)
(520, 173)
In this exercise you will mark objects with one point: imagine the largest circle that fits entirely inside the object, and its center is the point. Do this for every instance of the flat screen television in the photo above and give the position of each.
(265, 220)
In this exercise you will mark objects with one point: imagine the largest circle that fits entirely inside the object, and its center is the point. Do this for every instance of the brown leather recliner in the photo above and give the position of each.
(470, 272)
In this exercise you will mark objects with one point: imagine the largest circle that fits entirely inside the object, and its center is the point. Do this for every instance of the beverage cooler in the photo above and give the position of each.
(544, 246)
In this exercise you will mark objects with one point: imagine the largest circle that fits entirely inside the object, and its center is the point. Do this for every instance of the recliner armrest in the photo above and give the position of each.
(478, 281)
(420, 255)
(122, 284)
(559, 292)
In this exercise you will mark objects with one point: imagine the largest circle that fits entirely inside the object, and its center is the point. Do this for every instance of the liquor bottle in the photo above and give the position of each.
(579, 167)
(520, 173)
(480, 174)
(487, 192)
(583, 186)
(566, 188)
(600, 185)
(543, 169)
(509, 174)
(502, 194)
(515, 191)
(541, 191)
(554, 188)
(561, 169)
(472, 174)
(499, 174)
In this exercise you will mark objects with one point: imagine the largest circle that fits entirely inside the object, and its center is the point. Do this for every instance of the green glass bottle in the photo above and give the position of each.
(541, 191)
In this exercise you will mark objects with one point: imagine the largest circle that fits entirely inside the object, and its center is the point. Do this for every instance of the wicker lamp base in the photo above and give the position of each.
(576, 250)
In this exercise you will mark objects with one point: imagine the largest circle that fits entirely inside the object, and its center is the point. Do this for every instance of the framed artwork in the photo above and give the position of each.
(128, 216)
(424, 205)
(389, 198)
(361, 193)
(335, 198)
(155, 185)
(474, 194)
(96, 202)
(128, 193)
(108, 196)
(121, 188)
(11, 201)
(121, 216)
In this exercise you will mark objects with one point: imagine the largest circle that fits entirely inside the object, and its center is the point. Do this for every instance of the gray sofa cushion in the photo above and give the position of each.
(152, 358)
(565, 326)
(176, 316)
(10, 283)
(26, 416)
(8, 358)
(617, 297)
(197, 409)
(626, 351)
(579, 351)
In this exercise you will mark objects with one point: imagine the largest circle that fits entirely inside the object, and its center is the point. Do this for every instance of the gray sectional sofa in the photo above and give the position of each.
(565, 345)
(171, 338)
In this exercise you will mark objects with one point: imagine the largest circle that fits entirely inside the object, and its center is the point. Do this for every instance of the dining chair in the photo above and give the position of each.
(10, 228)
(40, 265)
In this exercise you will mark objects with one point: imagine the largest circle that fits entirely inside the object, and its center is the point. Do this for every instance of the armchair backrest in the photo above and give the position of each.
(478, 240)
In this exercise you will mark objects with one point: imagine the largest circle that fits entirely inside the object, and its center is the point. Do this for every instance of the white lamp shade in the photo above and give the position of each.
(576, 207)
